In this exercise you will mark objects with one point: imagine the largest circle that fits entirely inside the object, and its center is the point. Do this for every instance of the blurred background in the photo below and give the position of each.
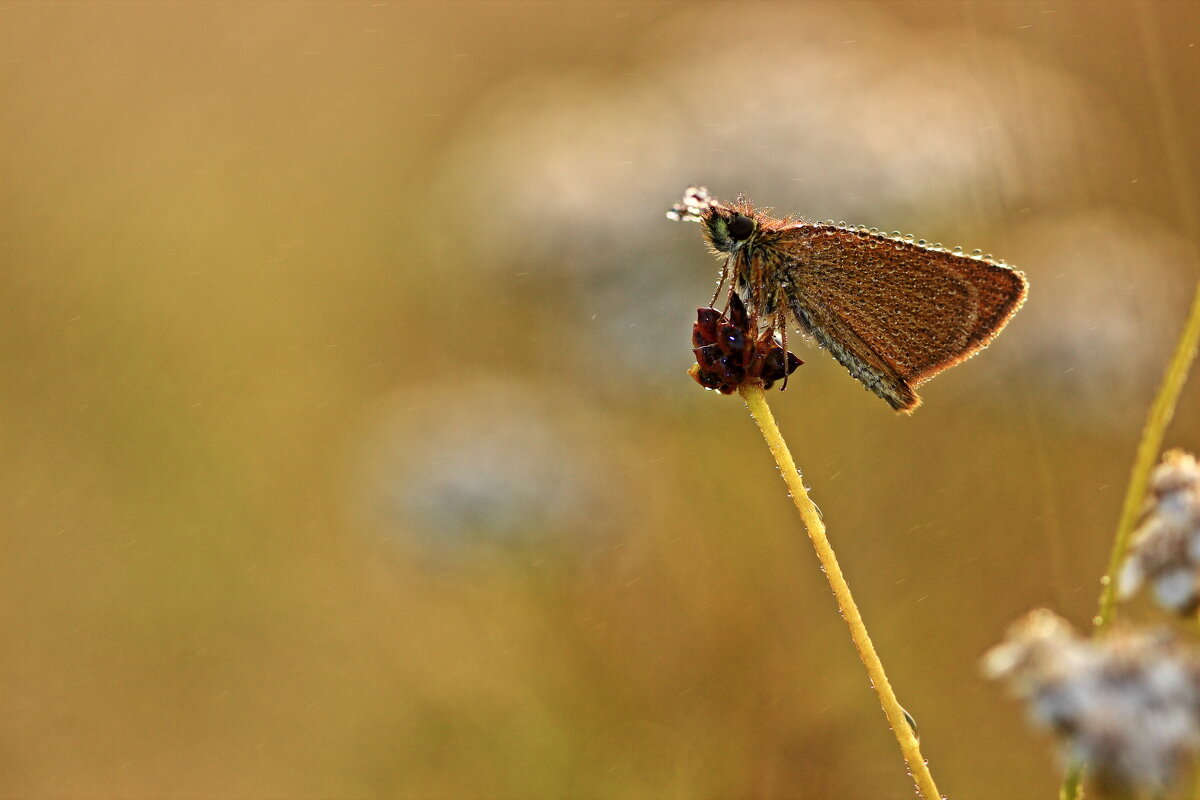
(348, 449)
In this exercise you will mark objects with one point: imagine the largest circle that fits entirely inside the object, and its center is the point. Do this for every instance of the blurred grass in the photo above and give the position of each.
(236, 246)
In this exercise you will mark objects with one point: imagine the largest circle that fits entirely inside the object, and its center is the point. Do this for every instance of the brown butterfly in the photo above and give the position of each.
(894, 312)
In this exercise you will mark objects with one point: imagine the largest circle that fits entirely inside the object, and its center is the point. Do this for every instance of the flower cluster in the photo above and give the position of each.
(729, 353)
(1166, 545)
(1126, 706)
(695, 200)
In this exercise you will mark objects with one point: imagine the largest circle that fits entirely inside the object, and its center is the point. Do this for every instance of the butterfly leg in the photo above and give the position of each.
(724, 277)
(780, 323)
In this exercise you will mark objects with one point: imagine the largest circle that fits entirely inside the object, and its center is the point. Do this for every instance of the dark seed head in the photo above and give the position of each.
(707, 355)
(733, 339)
(737, 312)
(705, 330)
(772, 364)
(732, 367)
(727, 355)
(706, 378)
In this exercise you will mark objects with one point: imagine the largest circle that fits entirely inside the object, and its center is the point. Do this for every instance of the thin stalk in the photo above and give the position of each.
(1148, 453)
(1177, 154)
(1072, 786)
(757, 404)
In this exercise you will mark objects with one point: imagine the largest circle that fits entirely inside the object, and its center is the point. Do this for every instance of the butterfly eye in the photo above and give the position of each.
(740, 227)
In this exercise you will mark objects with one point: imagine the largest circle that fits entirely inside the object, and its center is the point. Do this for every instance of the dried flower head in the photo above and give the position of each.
(1166, 545)
(729, 351)
(1126, 706)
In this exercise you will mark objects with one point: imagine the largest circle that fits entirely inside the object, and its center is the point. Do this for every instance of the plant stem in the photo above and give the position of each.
(1148, 453)
(757, 404)
(1072, 785)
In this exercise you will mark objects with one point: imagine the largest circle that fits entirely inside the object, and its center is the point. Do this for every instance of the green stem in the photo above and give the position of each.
(757, 404)
(1148, 453)
(1072, 786)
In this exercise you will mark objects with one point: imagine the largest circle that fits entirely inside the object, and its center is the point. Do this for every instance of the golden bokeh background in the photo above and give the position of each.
(348, 449)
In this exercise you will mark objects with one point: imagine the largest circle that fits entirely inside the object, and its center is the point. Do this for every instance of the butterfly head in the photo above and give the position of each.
(726, 227)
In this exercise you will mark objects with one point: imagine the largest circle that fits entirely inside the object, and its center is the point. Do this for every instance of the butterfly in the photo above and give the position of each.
(892, 311)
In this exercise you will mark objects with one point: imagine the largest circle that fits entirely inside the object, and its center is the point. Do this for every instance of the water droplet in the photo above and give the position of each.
(922, 243)
(958, 251)
(912, 723)
(977, 252)
(908, 237)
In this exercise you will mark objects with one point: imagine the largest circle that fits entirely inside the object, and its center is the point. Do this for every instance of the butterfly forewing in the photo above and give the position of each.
(893, 312)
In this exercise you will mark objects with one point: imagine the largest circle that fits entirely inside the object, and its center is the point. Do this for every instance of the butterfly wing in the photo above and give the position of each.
(893, 312)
